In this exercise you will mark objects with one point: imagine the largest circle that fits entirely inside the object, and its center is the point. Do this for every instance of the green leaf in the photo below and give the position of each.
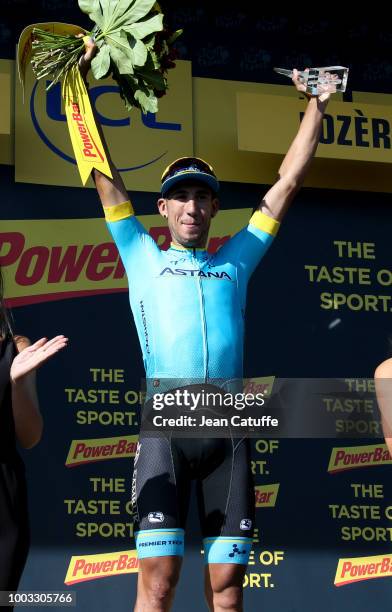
(93, 10)
(121, 7)
(144, 28)
(105, 6)
(101, 62)
(89, 6)
(153, 79)
(149, 42)
(126, 32)
(174, 37)
(119, 39)
(123, 62)
(121, 52)
(109, 10)
(148, 103)
(127, 86)
(139, 9)
(139, 52)
(153, 60)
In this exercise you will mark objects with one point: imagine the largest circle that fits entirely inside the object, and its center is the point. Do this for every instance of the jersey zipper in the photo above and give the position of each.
(203, 317)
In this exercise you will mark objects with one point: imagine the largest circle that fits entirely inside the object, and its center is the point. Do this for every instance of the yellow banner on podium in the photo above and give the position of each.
(351, 130)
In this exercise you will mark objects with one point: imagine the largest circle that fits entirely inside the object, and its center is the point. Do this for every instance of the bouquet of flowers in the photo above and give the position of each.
(133, 47)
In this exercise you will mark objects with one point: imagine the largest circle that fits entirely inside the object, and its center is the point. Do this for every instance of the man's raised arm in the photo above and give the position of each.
(110, 190)
(295, 165)
(131, 238)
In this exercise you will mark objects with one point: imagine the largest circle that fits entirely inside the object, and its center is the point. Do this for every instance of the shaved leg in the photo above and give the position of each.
(223, 586)
(157, 580)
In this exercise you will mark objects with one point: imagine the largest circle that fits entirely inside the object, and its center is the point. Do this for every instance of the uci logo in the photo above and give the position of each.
(53, 111)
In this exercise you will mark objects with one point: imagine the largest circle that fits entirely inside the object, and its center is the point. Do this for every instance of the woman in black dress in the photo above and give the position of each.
(20, 421)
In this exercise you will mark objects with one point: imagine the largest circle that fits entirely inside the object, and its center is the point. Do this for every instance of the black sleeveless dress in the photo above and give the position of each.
(14, 529)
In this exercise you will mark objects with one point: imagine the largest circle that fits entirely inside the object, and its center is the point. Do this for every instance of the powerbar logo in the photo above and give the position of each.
(88, 451)
(261, 384)
(86, 142)
(363, 568)
(92, 567)
(44, 260)
(265, 495)
(358, 457)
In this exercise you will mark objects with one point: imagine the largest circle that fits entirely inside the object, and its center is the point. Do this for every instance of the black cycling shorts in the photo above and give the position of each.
(163, 470)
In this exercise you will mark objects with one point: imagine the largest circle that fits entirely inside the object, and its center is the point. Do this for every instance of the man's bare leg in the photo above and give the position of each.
(223, 586)
(157, 580)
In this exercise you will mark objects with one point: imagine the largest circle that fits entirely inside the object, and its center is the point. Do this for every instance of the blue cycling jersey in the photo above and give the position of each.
(188, 304)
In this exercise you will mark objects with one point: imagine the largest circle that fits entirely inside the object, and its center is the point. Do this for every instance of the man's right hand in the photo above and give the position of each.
(86, 59)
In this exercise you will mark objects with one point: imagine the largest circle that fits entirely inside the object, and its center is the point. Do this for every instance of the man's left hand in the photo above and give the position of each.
(324, 91)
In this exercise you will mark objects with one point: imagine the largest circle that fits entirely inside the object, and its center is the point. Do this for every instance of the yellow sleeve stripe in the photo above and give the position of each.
(118, 212)
(264, 223)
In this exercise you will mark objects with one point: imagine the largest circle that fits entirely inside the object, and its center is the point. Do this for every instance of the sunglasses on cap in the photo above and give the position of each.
(192, 168)
(183, 163)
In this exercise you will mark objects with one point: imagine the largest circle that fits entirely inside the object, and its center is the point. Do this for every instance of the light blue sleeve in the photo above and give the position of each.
(133, 242)
(246, 248)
